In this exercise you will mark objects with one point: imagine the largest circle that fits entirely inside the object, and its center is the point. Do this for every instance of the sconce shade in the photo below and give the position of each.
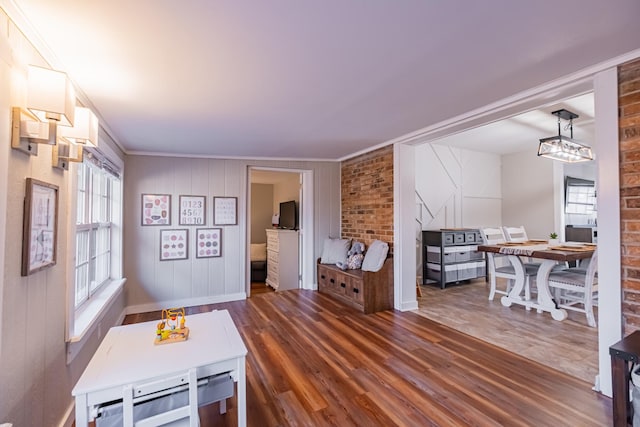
(84, 130)
(35, 130)
(564, 149)
(51, 95)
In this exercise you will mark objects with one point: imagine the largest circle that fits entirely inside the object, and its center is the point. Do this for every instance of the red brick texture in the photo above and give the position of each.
(629, 128)
(367, 197)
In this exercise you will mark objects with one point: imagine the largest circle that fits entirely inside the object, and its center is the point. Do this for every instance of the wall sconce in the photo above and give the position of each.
(84, 130)
(562, 148)
(65, 152)
(72, 140)
(51, 102)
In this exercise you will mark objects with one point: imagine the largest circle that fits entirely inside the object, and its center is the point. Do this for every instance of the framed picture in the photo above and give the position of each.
(225, 211)
(192, 210)
(156, 209)
(208, 242)
(40, 226)
(174, 244)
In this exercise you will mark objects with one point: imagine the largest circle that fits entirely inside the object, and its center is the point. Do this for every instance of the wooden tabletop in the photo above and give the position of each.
(552, 254)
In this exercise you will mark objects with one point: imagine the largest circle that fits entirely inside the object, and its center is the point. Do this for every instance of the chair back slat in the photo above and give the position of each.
(515, 234)
(493, 236)
(134, 393)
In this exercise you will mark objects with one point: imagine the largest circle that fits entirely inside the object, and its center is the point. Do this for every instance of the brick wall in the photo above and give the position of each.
(629, 128)
(367, 197)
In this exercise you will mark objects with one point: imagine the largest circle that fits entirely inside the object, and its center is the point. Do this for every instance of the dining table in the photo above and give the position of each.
(549, 256)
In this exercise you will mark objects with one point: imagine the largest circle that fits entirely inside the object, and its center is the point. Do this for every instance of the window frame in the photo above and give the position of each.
(580, 188)
(83, 319)
(92, 174)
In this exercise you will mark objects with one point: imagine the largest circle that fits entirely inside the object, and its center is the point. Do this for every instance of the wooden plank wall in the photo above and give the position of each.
(151, 283)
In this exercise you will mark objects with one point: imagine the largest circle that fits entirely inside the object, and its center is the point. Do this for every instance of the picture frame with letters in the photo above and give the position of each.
(225, 211)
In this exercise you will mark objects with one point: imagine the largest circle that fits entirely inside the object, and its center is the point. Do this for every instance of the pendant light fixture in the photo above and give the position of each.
(562, 148)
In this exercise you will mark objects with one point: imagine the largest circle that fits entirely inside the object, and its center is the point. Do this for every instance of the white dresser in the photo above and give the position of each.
(282, 259)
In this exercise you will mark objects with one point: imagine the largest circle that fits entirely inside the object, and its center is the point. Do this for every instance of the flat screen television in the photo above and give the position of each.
(288, 215)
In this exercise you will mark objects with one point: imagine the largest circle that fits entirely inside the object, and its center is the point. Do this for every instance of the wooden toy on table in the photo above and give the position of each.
(172, 327)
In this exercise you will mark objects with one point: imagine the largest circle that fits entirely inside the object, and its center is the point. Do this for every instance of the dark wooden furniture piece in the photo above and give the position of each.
(365, 290)
(623, 353)
(451, 256)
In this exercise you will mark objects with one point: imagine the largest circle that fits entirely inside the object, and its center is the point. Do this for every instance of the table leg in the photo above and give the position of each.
(545, 301)
(515, 295)
(242, 393)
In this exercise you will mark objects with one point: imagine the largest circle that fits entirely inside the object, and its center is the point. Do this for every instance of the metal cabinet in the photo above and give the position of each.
(452, 256)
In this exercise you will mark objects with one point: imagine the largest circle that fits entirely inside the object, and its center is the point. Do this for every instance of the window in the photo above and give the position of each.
(580, 196)
(98, 204)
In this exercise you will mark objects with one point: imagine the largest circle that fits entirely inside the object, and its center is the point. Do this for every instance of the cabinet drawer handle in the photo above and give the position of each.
(356, 290)
(332, 280)
(322, 276)
(343, 285)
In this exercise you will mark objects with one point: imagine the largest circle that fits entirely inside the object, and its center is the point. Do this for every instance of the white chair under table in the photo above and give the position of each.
(515, 234)
(500, 266)
(576, 289)
(519, 235)
(186, 415)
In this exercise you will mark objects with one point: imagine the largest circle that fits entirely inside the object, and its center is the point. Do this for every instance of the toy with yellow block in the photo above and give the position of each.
(172, 326)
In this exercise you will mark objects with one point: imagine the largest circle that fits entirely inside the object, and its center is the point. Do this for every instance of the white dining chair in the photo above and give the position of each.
(500, 266)
(519, 235)
(186, 415)
(576, 289)
(515, 234)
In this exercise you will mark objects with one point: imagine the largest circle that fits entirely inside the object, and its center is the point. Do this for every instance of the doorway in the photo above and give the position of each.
(604, 84)
(491, 176)
(271, 189)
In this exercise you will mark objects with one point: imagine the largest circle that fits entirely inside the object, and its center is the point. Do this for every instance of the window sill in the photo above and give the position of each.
(87, 318)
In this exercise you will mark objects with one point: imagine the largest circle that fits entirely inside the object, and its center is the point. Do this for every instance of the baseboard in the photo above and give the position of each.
(409, 306)
(186, 302)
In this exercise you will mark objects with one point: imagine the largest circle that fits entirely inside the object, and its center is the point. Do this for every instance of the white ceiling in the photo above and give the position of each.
(309, 79)
(522, 132)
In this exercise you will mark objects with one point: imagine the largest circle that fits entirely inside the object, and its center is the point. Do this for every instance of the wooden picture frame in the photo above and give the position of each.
(192, 210)
(174, 244)
(225, 211)
(40, 225)
(155, 209)
(208, 242)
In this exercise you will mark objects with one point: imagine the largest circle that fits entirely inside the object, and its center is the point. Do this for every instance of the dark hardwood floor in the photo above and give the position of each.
(258, 288)
(314, 361)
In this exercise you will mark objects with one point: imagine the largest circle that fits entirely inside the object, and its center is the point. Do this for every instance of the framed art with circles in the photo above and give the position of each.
(174, 244)
(208, 242)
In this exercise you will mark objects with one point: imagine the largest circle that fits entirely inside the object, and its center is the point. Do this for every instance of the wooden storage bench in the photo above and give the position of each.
(365, 290)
